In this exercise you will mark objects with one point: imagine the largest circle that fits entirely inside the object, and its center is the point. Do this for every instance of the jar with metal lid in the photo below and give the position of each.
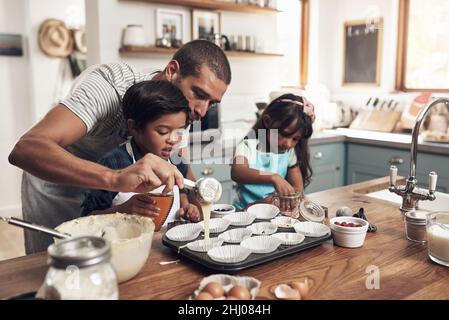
(415, 225)
(80, 269)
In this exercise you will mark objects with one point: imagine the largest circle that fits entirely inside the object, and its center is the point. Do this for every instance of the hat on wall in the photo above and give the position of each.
(55, 39)
(79, 37)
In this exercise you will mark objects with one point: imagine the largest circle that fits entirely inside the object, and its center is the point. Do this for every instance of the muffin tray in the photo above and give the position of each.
(254, 259)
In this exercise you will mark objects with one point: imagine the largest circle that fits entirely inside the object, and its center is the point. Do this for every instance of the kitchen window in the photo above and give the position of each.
(423, 59)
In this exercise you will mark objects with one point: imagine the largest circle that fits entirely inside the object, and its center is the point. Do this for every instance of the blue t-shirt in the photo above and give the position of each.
(117, 158)
(265, 162)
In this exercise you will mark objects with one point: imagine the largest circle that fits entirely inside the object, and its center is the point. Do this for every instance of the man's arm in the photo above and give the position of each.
(41, 152)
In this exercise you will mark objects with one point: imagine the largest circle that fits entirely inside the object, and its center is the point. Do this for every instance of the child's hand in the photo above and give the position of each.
(283, 188)
(190, 212)
(140, 204)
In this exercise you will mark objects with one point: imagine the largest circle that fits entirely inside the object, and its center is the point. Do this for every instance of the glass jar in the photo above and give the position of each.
(288, 204)
(80, 269)
(438, 237)
(415, 225)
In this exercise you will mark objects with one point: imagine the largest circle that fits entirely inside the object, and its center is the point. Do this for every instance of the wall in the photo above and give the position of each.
(252, 77)
(14, 99)
(326, 47)
(27, 84)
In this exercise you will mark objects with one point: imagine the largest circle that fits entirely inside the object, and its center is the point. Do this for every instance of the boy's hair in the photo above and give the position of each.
(195, 53)
(147, 101)
(282, 112)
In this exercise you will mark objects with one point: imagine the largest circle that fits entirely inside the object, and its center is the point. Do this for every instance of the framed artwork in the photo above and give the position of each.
(11, 45)
(362, 45)
(205, 24)
(170, 24)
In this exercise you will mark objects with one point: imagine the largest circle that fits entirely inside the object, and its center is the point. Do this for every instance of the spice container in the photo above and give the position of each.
(80, 270)
(415, 225)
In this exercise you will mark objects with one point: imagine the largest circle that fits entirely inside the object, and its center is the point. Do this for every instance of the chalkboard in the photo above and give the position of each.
(362, 52)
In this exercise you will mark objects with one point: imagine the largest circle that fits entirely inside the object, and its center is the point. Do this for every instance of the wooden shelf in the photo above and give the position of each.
(155, 50)
(214, 5)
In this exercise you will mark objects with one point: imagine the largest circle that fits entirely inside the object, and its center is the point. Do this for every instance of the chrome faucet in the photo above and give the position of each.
(410, 193)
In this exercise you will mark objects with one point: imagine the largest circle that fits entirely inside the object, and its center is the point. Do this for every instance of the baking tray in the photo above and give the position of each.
(253, 259)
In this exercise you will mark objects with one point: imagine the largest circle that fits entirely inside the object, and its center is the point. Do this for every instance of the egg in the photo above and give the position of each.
(239, 292)
(204, 296)
(302, 287)
(344, 212)
(214, 289)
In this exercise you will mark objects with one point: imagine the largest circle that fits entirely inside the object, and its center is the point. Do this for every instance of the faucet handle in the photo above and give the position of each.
(433, 177)
(393, 175)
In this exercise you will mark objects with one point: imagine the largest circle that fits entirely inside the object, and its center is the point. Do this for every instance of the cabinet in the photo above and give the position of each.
(370, 162)
(328, 165)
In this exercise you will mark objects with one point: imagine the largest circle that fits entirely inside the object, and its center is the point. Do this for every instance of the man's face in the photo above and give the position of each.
(202, 91)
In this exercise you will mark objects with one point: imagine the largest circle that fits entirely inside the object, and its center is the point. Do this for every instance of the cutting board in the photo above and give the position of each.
(376, 120)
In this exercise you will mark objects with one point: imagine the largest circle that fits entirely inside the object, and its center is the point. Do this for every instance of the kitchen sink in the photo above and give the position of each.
(441, 203)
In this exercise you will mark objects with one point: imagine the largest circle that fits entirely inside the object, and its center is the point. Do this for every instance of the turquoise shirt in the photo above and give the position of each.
(265, 162)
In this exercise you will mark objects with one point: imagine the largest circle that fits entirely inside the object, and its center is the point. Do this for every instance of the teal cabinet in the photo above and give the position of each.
(370, 162)
(328, 165)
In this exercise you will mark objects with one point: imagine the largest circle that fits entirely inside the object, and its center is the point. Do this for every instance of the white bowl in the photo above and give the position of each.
(289, 238)
(184, 232)
(242, 218)
(349, 237)
(263, 228)
(202, 246)
(216, 225)
(261, 244)
(264, 211)
(312, 229)
(235, 235)
(284, 222)
(215, 213)
(130, 237)
(229, 254)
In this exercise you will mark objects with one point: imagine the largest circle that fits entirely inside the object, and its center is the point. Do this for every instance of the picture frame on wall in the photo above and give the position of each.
(362, 55)
(11, 45)
(170, 25)
(205, 24)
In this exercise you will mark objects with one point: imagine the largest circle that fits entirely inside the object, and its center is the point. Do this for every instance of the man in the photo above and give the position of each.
(58, 154)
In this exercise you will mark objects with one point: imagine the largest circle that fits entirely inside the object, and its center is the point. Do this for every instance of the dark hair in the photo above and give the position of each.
(147, 101)
(194, 54)
(282, 112)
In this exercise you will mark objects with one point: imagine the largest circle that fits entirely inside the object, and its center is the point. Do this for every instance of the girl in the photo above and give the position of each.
(277, 159)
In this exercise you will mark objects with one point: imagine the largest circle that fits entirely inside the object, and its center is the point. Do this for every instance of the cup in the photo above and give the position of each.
(438, 237)
(164, 203)
(134, 35)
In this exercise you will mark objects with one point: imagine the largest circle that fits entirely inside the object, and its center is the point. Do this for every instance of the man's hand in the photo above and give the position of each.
(140, 204)
(190, 212)
(147, 174)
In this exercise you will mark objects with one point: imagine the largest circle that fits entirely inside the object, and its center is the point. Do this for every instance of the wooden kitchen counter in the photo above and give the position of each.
(405, 270)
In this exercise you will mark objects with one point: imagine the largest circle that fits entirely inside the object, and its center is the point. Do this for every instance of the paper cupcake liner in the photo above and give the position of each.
(216, 225)
(229, 254)
(284, 222)
(264, 211)
(184, 232)
(312, 229)
(235, 235)
(202, 246)
(261, 244)
(263, 228)
(289, 238)
(240, 218)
